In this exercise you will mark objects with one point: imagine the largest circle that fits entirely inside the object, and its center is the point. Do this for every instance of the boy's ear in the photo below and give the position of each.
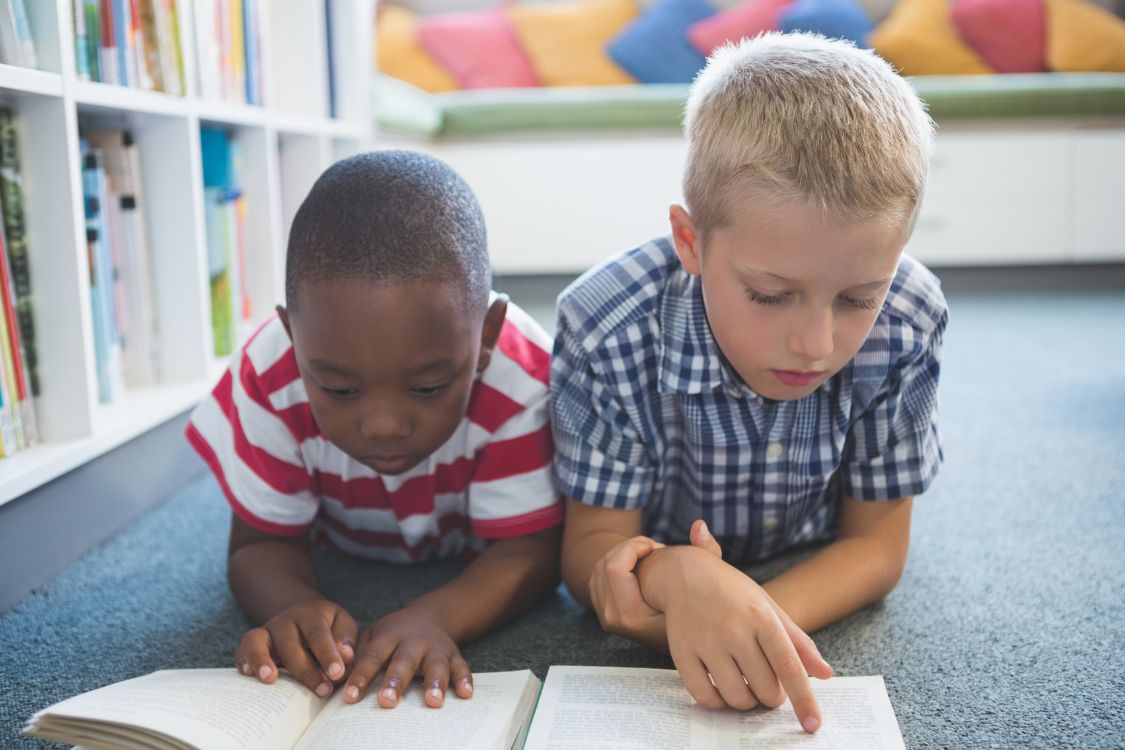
(284, 315)
(685, 238)
(490, 333)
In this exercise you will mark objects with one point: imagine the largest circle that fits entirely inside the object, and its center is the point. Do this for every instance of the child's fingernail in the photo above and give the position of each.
(351, 693)
(811, 724)
(245, 669)
(390, 695)
(704, 532)
(436, 693)
(335, 669)
(467, 685)
(323, 690)
(264, 672)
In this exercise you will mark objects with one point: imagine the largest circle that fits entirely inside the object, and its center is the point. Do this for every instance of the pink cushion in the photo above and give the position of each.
(1008, 34)
(746, 20)
(478, 48)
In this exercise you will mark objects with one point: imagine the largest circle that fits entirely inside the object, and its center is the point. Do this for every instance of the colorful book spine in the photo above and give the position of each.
(92, 14)
(81, 41)
(25, 416)
(107, 345)
(107, 50)
(148, 45)
(8, 442)
(123, 42)
(15, 231)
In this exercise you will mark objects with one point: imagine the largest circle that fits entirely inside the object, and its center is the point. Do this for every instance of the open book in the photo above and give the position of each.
(579, 708)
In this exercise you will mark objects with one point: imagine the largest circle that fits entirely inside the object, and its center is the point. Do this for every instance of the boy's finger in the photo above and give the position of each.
(759, 675)
(815, 664)
(300, 662)
(787, 665)
(257, 654)
(701, 537)
(461, 677)
(404, 664)
(728, 680)
(371, 655)
(435, 680)
(322, 643)
(344, 631)
(694, 674)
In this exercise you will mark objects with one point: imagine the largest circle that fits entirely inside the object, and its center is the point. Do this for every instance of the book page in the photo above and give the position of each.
(490, 720)
(598, 708)
(856, 714)
(218, 709)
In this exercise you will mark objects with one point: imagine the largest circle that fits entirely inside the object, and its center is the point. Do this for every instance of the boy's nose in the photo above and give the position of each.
(814, 336)
(384, 424)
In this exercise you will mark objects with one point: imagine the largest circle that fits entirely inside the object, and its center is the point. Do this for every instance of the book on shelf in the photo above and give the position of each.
(108, 353)
(9, 440)
(17, 45)
(17, 283)
(577, 708)
(18, 423)
(127, 234)
(129, 43)
(228, 49)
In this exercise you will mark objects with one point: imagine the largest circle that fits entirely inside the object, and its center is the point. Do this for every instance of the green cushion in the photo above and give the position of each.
(405, 109)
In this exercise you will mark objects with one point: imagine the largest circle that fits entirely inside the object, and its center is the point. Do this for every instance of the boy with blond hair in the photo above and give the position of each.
(763, 379)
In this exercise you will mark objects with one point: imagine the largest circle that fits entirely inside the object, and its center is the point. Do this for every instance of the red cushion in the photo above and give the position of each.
(746, 20)
(1008, 34)
(480, 49)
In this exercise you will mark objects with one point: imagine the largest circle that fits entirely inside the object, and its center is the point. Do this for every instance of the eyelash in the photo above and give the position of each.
(870, 303)
(422, 392)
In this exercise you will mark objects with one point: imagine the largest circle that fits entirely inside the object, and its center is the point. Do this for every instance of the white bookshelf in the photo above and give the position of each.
(285, 144)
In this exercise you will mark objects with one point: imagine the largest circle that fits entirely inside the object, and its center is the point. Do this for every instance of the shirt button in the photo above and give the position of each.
(771, 521)
(773, 450)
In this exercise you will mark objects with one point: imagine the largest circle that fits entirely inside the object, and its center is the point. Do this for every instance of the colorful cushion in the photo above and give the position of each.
(398, 54)
(1008, 34)
(565, 41)
(742, 21)
(839, 19)
(1083, 37)
(655, 47)
(478, 48)
(919, 39)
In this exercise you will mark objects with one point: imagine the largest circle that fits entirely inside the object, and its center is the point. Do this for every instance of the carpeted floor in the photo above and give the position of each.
(1007, 629)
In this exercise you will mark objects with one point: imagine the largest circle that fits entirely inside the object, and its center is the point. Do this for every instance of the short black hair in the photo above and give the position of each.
(388, 216)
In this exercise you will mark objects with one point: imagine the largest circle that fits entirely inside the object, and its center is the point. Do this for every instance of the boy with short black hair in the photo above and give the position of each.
(763, 379)
(394, 409)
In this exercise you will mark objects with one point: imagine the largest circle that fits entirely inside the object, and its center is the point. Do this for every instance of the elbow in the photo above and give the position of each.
(888, 574)
(576, 583)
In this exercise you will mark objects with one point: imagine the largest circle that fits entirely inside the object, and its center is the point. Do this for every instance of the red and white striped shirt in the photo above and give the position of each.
(491, 479)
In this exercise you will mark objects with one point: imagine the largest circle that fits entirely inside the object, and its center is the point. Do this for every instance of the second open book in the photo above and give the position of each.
(579, 708)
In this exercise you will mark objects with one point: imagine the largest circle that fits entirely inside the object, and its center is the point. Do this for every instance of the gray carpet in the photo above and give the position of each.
(1007, 629)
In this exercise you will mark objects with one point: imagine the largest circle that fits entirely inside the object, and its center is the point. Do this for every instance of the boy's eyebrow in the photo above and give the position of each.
(785, 280)
(436, 365)
(324, 366)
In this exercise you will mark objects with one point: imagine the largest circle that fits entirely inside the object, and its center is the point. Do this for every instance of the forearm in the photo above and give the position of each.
(268, 577)
(842, 578)
(579, 557)
(508, 578)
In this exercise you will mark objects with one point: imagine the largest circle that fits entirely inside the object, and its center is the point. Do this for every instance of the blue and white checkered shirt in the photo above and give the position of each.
(648, 414)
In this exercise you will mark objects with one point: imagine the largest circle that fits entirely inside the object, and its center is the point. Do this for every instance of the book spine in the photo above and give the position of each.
(106, 345)
(26, 410)
(177, 48)
(81, 42)
(23, 31)
(152, 48)
(8, 350)
(15, 230)
(123, 42)
(108, 49)
(92, 14)
(8, 443)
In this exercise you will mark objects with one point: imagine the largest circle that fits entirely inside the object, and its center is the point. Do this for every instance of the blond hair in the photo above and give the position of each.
(802, 117)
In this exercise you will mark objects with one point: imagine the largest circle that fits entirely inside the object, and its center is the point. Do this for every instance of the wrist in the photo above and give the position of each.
(665, 575)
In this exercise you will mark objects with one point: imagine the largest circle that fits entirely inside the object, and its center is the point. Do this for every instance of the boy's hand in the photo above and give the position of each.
(615, 592)
(313, 640)
(723, 627)
(405, 643)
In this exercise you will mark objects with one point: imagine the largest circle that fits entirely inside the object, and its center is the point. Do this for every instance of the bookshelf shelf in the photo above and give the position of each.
(13, 78)
(282, 147)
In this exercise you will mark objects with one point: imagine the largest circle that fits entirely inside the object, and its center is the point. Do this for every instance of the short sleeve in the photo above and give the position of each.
(600, 454)
(253, 453)
(894, 448)
(511, 493)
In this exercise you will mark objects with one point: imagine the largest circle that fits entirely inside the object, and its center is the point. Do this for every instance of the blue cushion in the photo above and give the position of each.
(839, 19)
(655, 47)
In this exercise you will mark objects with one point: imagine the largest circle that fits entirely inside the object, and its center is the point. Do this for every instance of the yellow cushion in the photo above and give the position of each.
(1082, 36)
(918, 38)
(566, 40)
(398, 53)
